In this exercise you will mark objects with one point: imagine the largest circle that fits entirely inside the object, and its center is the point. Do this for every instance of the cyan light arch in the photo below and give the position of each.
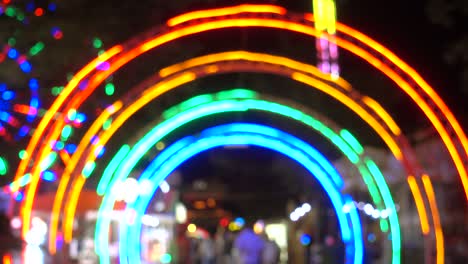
(250, 134)
(238, 100)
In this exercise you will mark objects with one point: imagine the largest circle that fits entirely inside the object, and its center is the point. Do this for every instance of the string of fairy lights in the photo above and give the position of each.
(20, 108)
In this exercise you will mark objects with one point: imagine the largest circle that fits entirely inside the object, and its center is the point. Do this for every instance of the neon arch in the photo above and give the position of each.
(178, 80)
(146, 96)
(258, 135)
(226, 105)
(451, 135)
(245, 100)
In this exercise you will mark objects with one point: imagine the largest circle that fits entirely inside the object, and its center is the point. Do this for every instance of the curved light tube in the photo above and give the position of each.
(228, 105)
(245, 134)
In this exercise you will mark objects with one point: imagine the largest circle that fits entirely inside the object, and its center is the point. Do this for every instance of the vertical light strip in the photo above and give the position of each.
(110, 169)
(419, 204)
(357, 229)
(439, 235)
(327, 52)
(392, 216)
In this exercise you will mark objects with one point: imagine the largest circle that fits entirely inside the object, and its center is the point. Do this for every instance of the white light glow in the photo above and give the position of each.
(277, 232)
(37, 234)
(361, 205)
(294, 217)
(180, 213)
(33, 254)
(165, 188)
(16, 223)
(150, 220)
(306, 207)
(384, 213)
(368, 209)
(375, 214)
(300, 212)
(146, 187)
(346, 208)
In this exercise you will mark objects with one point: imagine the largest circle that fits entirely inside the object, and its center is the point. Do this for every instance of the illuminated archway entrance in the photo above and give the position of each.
(264, 16)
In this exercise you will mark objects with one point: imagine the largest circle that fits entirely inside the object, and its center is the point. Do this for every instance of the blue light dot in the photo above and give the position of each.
(30, 7)
(34, 102)
(54, 30)
(23, 131)
(52, 7)
(305, 240)
(59, 145)
(4, 116)
(80, 117)
(26, 67)
(70, 148)
(240, 221)
(19, 196)
(12, 53)
(49, 176)
(33, 84)
(8, 95)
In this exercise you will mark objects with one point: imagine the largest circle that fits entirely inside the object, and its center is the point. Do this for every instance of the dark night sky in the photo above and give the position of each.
(404, 27)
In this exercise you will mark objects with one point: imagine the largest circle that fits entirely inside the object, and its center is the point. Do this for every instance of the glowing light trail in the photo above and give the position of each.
(250, 134)
(204, 108)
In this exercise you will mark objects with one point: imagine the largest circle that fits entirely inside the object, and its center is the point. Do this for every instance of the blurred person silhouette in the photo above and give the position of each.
(183, 243)
(220, 244)
(207, 251)
(271, 251)
(227, 250)
(194, 251)
(248, 246)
